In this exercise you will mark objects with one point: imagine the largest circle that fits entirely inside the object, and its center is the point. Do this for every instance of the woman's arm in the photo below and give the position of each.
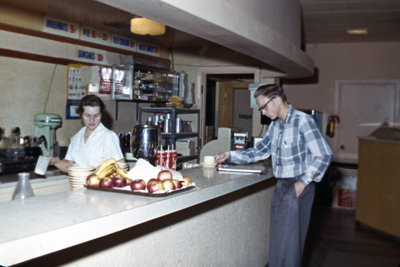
(61, 164)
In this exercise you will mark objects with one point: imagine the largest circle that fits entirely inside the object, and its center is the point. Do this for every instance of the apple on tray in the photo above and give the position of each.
(177, 183)
(164, 175)
(106, 182)
(154, 186)
(119, 182)
(93, 180)
(153, 180)
(168, 185)
(138, 184)
(128, 181)
(186, 181)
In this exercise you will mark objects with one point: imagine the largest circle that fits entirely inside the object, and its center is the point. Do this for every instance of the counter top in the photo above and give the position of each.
(42, 225)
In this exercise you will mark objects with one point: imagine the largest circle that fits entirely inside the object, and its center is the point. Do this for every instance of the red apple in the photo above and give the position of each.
(177, 184)
(186, 181)
(164, 175)
(128, 181)
(119, 181)
(106, 182)
(168, 185)
(154, 187)
(92, 180)
(138, 184)
(112, 176)
(152, 180)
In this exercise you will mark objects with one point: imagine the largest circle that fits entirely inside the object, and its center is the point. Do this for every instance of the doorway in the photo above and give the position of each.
(228, 104)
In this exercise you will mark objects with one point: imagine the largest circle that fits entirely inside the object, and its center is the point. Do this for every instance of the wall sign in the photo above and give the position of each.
(70, 112)
(61, 27)
(123, 43)
(92, 55)
(95, 36)
(148, 49)
(76, 88)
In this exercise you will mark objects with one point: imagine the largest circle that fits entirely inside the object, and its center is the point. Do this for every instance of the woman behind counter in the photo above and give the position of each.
(94, 142)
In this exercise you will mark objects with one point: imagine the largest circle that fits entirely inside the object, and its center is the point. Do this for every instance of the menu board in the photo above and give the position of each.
(76, 89)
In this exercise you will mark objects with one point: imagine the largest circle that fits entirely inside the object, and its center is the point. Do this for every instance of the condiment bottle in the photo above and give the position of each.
(174, 156)
(168, 162)
(161, 157)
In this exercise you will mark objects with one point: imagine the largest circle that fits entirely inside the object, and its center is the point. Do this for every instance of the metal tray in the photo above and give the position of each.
(141, 193)
(246, 168)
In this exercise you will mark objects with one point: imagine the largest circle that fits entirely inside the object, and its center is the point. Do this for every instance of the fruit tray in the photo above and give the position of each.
(127, 190)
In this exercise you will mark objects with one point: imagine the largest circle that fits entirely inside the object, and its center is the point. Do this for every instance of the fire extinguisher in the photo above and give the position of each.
(330, 128)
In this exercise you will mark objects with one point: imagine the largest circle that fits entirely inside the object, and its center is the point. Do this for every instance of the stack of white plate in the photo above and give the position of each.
(78, 174)
(123, 165)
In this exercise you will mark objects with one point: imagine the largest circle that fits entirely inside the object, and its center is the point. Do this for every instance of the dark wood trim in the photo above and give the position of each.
(41, 58)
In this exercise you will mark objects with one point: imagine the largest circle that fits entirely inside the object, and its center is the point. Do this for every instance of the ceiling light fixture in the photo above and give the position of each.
(143, 26)
(357, 31)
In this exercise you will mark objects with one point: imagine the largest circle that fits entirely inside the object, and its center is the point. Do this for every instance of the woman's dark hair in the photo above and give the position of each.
(92, 101)
(270, 90)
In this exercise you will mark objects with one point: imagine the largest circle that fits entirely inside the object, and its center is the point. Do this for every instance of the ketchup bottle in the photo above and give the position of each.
(174, 156)
(161, 157)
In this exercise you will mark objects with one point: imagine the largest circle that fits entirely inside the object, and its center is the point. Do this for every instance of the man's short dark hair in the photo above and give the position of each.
(92, 101)
(270, 90)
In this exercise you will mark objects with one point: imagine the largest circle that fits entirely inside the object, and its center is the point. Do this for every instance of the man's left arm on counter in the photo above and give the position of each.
(261, 151)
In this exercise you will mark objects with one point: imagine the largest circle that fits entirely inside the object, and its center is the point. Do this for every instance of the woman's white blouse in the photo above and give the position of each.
(101, 144)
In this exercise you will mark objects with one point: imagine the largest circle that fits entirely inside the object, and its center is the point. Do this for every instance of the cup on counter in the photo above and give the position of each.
(209, 162)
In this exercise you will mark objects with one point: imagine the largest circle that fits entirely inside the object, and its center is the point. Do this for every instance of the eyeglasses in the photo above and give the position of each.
(265, 105)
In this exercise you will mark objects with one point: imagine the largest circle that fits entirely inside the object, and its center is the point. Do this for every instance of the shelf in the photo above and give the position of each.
(173, 136)
(170, 110)
(137, 101)
(179, 135)
(181, 159)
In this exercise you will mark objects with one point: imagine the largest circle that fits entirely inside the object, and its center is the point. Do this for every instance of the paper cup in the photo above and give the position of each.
(209, 162)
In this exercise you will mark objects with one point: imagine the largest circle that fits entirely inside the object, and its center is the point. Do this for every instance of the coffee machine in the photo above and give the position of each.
(45, 130)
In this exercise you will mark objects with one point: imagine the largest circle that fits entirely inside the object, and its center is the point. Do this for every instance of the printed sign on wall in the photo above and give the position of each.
(95, 36)
(76, 88)
(123, 43)
(60, 27)
(149, 49)
(91, 55)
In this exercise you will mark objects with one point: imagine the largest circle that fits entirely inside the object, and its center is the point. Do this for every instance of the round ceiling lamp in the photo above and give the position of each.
(143, 26)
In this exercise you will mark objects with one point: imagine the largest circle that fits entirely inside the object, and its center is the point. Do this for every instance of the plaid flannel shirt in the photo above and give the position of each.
(297, 148)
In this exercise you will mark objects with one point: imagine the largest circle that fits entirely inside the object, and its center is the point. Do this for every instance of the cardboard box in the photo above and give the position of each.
(344, 198)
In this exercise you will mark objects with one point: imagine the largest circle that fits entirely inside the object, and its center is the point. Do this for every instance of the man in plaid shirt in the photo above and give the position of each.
(300, 156)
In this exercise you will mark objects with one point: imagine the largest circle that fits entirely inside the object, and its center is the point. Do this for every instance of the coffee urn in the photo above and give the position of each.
(145, 142)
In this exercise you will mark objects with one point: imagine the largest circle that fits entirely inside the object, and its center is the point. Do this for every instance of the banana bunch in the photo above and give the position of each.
(106, 168)
(122, 173)
(176, 100)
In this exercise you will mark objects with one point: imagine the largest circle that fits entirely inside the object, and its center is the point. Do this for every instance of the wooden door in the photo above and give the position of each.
(227, 107)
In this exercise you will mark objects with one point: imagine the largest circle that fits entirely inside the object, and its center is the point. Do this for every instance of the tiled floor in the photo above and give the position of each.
(336, 240)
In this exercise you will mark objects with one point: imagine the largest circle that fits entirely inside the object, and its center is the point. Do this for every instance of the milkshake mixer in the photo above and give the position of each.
(45, 131)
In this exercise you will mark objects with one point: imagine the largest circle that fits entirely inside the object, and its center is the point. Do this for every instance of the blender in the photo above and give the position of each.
(45, 131)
